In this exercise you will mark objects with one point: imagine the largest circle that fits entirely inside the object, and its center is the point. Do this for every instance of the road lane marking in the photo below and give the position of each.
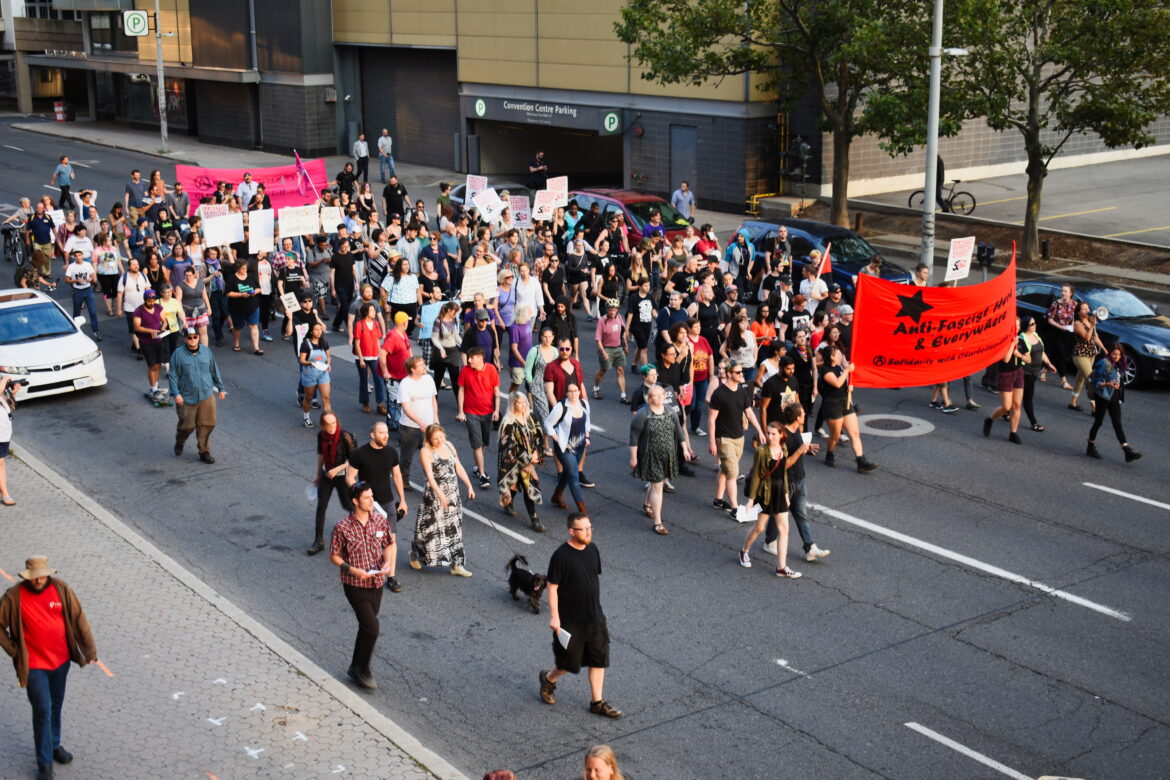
(1002, 200)
(987, 568)
(1133, 232)
(783, 663)
(1130, 496)
(966, 751)
(485, 521)
(1071, 214)
(10, 146)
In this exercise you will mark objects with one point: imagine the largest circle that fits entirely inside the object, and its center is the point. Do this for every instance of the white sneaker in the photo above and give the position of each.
(844, 437)
(821, 432)
(459, 571)
(815, 554)
(770, 548)
(744, 559)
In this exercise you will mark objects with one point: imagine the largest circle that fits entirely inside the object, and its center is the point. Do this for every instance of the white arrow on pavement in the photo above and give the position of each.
(219, 681)
(338, 770)
(257, 706)
(177, 694)
(301, 737)
(253, 752)
(216, 721)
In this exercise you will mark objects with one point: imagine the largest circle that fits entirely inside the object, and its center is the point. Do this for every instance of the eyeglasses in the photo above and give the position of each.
(192, 335)
(736, 371)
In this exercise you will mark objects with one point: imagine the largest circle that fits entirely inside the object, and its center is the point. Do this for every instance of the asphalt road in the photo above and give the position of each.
(933, 609)
(1127, 199)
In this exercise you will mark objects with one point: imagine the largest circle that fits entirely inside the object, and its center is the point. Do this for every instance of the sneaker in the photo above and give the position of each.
(604, 708)
(265, 337)
(770, 547)
(700, 432)
(936, 405)
(307, 423)
(744, 559)
(821, 432)
(971, 405)
(585, 481)
(484, 482)
(315, 404)
(597, 393)
(668, 486)
(458, 571)
(949, 409)
(844, 438)
(548, 689)
(830, 459)
(625, 399)
(719, 503)
(392, 585)
(815, 554)
(788, 574)
(412, 559)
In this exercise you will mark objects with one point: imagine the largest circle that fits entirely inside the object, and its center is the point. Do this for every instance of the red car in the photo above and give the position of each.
(637, 208)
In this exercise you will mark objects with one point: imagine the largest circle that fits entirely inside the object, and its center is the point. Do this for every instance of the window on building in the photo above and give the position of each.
(43, 9)
(106, 34)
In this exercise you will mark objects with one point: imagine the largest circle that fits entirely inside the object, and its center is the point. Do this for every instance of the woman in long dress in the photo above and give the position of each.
(655, 438)
(438, 530)
(520, 452)
(538, 357)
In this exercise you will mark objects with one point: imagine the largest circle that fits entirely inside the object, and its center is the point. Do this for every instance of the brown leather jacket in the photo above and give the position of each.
(77, 634)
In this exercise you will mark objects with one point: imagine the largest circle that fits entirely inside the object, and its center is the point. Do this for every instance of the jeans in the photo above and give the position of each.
(694, 411)
(383, 162)
(1112, 407)
(219, 312)
(370, 366)
(87, 299)
(46, 693)
(569, 477)
(798, 511)
(365, 603)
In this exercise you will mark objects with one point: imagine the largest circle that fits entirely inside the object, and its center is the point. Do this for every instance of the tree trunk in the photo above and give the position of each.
(1036, 173)
(840, 211)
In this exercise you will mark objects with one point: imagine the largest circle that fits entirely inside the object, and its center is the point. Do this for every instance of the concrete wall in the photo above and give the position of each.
(297, 117)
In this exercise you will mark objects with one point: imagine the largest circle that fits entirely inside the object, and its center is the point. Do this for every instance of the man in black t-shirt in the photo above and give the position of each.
(376, 464)
(730, 403)
(780, 390)
(574, 603)
(342, 283)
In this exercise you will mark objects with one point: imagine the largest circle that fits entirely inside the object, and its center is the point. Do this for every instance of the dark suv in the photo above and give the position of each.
(850, 252)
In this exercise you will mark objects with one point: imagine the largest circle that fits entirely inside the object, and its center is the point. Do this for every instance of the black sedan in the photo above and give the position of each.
(850, 252)
(1121, 317)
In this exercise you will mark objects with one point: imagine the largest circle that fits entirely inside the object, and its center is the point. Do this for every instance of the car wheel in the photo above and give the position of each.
(1132, 374)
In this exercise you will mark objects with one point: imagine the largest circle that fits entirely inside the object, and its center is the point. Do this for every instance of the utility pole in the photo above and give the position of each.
(929, 189)
(162, 90)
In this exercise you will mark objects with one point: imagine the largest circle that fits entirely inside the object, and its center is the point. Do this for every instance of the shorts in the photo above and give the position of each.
(240, 321)
(576, 277)
(588, 646)
(516, 375)
(730, 453)
(1010, 380)
(197, 322)
(312, 376)
(4, 445)
(109, 285)
(641, 335)
(479, 430)
(153, 352)
(611, 357)
(835, 409)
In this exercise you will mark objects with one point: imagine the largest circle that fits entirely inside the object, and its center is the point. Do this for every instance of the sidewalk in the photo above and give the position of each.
(196, 689)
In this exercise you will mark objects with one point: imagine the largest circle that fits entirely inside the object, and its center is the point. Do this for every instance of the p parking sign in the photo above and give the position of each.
(135, 23)
(611, 122)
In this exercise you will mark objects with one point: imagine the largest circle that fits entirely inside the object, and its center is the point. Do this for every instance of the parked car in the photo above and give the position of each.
(849, 254)
(1121, 316)
(637, 208)
(44, 348)
(459, 192)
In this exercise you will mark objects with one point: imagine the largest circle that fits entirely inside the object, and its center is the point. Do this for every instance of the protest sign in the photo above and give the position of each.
(521, 213)
(542, 207)
(427, 316)
(479, 280)
(220, 231)
(959, 258)
(475, 185)
(559, 186)
(58, 217)
(289, 302)
(261, 225)
(490, 205)
(209, 210)
(299, 221)
(330, 218)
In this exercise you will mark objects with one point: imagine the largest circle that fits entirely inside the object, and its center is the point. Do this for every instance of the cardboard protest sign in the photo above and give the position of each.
(521, 213)
(261, 225)
(299, 221)
(475, 185)
(331, 217)
(220, 231)
(490, 205)
(959, 258)
(543, 205)
(479, 280)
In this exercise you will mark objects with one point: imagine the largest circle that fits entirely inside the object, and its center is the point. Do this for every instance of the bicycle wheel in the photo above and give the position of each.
(916, 200)
(962, 203)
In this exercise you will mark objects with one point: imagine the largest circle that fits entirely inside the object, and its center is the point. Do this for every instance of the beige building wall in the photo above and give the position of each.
(174, 17)
(550, 44)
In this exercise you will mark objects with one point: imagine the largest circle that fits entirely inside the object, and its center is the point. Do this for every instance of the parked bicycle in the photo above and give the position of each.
(14, 249)
(961, 202)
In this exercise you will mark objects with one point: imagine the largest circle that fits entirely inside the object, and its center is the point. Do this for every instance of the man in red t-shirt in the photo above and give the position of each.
(392, 363)
(43, 628)
(479, 405)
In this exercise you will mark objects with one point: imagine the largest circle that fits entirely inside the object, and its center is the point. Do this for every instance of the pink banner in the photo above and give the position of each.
(282, 182)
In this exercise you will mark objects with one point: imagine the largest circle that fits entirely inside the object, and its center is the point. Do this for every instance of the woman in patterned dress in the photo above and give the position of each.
(655, 437)
(538, 357)
(438, 530)
(520, 447)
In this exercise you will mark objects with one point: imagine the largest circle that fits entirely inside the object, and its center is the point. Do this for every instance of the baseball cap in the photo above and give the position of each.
(786, 278)
(834, 287)
(401, 317)
(150, 294)
(844, 309)
(482, 314)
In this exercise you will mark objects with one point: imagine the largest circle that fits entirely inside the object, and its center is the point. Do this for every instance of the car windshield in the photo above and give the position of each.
(851, 249)
(29, 323)
(1120, 303)
(670, 218)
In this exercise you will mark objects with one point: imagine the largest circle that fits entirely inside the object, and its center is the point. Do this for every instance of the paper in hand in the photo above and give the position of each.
(806, 437)
(563, 637)
(310, 492)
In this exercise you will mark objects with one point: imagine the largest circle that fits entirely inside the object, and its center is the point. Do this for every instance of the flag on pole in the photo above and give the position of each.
(303, 177)
(827, 263)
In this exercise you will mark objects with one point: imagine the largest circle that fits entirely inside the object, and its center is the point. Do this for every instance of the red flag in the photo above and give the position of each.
(827, 265)
(303, 177)
(907, 336)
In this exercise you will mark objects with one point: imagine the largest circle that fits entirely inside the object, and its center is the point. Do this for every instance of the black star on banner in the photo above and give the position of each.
(913, 306)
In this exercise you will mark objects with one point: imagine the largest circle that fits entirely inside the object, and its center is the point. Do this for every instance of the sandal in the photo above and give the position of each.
(1064, 385)
(660, 529)
(1075, 406)
(1038, 428)
(648, 511)
(8, 501)
(235, 349)
(258, 352)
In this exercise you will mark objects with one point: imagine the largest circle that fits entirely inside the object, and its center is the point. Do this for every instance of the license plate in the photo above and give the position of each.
(85, 381)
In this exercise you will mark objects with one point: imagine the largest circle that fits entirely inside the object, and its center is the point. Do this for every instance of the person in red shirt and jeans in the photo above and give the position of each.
(392, 362)
(479, 406)
(43, 628)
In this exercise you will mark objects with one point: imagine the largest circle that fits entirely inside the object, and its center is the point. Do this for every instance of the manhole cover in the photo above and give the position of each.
(896, 425)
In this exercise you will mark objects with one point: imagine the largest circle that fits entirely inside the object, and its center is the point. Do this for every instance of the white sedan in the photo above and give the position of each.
(42, 347)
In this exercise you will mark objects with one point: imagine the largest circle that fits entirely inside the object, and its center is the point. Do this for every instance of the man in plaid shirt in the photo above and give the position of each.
(364, 549)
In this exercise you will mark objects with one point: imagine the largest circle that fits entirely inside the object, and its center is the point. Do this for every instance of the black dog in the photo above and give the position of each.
(521, 579)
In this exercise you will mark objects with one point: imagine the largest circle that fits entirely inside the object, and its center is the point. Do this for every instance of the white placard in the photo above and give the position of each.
(490, 205)
(543, 205)
(58, 217)
(959, 258)
(475, 185)
(261, 224)
(220, 231)
(479, 280)
(299, 221)
(559, 186)
(331, 217)
(290, 303)
(209, 210)
(521, 212)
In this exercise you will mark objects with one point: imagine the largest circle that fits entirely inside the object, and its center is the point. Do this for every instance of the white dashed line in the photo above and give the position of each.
(485, 521)
(966, 751)
(1130, 496)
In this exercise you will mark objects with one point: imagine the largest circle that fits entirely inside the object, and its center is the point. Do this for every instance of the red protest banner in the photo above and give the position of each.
(907, 336)
(285, 184)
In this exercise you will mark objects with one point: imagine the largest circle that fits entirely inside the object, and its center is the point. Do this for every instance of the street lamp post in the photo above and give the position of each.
(929, 191)
(162, 90)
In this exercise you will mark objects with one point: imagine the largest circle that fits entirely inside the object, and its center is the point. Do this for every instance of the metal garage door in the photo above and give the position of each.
(414, 93)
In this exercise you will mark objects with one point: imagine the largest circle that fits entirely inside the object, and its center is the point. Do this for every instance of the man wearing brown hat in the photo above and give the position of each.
(43, 628)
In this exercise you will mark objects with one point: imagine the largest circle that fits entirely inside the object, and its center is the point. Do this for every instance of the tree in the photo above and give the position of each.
(1049, 69)
(841, 49)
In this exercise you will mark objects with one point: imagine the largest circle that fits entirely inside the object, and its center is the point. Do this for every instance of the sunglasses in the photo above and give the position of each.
(565, 349)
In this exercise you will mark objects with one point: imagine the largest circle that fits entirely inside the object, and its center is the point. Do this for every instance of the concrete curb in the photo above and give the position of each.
(33, 128)
(425, 757)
